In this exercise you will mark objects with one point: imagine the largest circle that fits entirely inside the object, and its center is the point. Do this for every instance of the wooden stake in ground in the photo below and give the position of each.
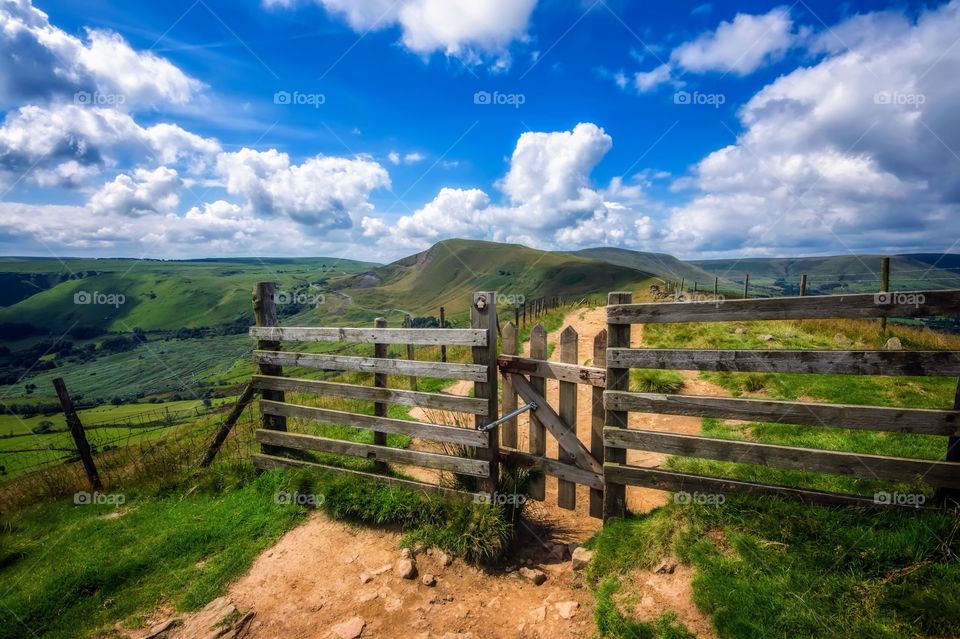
(884, 287)
(443, 324)
(76, 431)
(245, 398)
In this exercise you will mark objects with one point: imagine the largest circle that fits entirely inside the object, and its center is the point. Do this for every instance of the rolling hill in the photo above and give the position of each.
(446, 274)
(661, 265)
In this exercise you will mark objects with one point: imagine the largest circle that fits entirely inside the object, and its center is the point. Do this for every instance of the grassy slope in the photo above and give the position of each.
(775, 568)
(846, 272)
(160, 295)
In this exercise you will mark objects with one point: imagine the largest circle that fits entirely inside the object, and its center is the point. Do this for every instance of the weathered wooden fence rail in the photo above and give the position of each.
(276, 407)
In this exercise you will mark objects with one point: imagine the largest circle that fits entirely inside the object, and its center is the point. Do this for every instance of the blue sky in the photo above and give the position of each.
(374, 128)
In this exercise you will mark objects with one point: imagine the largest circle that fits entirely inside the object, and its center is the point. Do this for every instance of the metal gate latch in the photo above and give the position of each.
(510, 415)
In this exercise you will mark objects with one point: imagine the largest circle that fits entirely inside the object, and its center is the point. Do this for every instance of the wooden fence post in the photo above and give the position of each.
(618, 379)
(483, 315)
(746, 285)
(380, 351)
(265, 314)
(597, 418)
(884, 288)
(803, 285)
(508, 430)
(569, 341)
(537, 437)
(411, 353)
(76, 431)
(716, 288)
(443, 324)
(950, 497)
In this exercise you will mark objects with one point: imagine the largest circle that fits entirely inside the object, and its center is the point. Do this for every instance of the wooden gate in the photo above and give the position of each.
(619, 402)
(275, 439)
(526, 377)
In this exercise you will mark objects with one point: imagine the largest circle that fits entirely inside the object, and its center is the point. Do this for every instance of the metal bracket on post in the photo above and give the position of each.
(510, 415)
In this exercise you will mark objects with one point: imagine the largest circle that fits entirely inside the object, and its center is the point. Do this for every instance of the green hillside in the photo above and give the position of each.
(119, 294)
(837, 274)
(661, 265)
(447, 273)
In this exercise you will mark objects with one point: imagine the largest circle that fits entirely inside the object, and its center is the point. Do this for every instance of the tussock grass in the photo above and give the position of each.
(655, 381)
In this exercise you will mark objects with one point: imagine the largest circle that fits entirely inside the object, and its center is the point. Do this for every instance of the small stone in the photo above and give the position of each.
(665, 567)
(893, 344)
(406, 569)
(349, 629)
(567, 609)
(765, 338)
(365, 578)
(561, 551)
(445, 559)
(842, 340)
(405, 553)
(740, 331)
(429, 580)
(581, 558)
(533, 575)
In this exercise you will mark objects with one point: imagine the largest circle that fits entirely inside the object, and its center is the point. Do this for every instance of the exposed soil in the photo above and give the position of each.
(328, 578)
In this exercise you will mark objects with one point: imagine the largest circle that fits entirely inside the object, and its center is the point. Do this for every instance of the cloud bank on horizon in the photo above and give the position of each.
(849, 143)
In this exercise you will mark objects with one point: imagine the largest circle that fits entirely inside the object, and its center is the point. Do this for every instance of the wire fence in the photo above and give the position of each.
(141, 453)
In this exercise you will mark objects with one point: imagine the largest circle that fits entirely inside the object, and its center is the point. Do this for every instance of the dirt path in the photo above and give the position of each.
(328, 578)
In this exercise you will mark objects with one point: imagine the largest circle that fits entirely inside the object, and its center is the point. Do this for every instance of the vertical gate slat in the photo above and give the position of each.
(618, 336)
(508, 430)
(538, 432)
(597, 418)
(380, 381)
(567, 490)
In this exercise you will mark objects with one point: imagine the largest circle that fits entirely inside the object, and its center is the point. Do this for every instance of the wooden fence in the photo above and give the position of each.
(619, 402)
(599, 462)
(273, 386)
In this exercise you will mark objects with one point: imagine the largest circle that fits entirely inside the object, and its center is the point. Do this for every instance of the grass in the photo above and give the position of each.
(70, 570)
(776, 568)
(655, 381)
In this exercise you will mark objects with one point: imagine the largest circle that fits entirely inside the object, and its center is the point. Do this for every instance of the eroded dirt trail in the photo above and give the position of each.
(328, 578)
